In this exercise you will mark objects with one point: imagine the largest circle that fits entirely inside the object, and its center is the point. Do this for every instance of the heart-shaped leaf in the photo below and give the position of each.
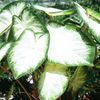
(53, 82)
(28, 53)
(27, 20)
(94, 27)
(7, 13)
(69, 47)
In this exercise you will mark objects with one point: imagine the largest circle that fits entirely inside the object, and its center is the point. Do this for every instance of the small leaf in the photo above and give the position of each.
(54, 11)
(27, 53)
(27, 20)
(53, 82)
(69, 47)
(94, 27)
(93, 13)
(78, 80)
(7, 13)
(4, 50)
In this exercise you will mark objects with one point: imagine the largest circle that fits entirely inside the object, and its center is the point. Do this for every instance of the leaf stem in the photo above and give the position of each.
(24, 89)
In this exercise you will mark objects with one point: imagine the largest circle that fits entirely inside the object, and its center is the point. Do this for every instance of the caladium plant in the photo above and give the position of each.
(30, 43)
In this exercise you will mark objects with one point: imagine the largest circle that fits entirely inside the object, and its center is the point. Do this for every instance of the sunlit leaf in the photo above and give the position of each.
(69, 46)
(53, 82)
(4, 50)
(7, 13)
(28, 53)
(54, 11)
(94, 27)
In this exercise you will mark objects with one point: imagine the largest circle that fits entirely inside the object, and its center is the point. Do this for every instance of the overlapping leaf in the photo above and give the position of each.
(53, 82)
(94, 26)
(7, 13)
(69, 47)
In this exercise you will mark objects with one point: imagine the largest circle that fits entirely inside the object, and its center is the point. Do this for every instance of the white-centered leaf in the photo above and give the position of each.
(53, 82)
(7, 13)
(28, 53)
(47, 9)
(4, 50)
(70, 47)
(27, 20)
(94, 26)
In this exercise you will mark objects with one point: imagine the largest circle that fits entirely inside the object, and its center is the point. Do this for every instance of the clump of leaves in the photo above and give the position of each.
(58, 44)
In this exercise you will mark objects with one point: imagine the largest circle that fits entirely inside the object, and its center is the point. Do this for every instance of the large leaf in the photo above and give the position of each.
(28, 53)
(27, 20)
(53, 82)
(4, 50)
(94, 26)
(69, 47)
(54, 11)
(7, 13)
